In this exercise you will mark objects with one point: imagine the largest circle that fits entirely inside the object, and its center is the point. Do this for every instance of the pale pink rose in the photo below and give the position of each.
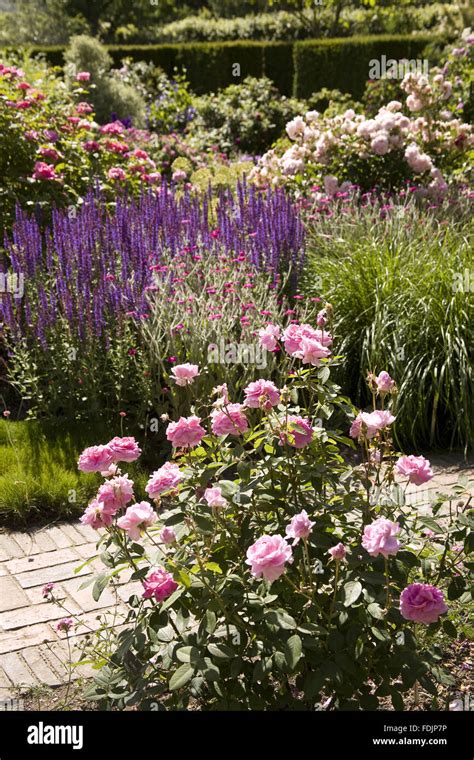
(116, 493)
(96, 515)
(230, 420)
(83, 76)
(166, 478)
(380, 144)
(267, 557)
(179, 175)
(299, 527)
(159, 584)
(168, 536)
(116, 173)
(295, 127)
(338, 552)
(368, 424)
(96, 459)
(187, 432)
(417, 161)
(111, 471)
(269, 336)
(137, 518)
(312, 351)
(214, 497)
(379, 537)
(416, 469)
(299, 432)
(384, 382)
(422, 603)
(294, 335)
(414, 103)
(261, 394)
(124, 449)
(184, 374)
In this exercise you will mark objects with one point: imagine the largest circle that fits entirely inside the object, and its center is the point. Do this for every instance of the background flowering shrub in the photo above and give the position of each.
(275, 575)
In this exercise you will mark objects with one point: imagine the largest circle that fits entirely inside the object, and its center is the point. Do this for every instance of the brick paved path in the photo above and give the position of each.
(32, 653)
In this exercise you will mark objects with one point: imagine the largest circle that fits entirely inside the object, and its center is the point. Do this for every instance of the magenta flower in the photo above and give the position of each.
(299, 527)
(338, 552)
(230, 421)
(299, 432)
(422, 603)
(416, 469)
(267, 557)
(124, 449)
(187, 432)
(261, 394)
(159, 584)
(96, 459)
(166, 478)
(379, 537)
(65, 624)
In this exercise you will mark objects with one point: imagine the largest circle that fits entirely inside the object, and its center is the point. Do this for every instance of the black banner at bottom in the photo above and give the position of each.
(121, 735)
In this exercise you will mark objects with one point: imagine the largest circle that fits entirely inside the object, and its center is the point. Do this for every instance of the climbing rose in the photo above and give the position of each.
(267, 557)
(96, 459)
(299, 527)
(379, 537)
(124, 449)
(422, 603)
(214, 497)
(229, 421)
(338, 552)
(299, 432)
(368, 424)
(261, 394)
(159, 584)
(116, 493)
(184, 374)
(186, 432)
(167, 478)
(416, 469)
(137, 518)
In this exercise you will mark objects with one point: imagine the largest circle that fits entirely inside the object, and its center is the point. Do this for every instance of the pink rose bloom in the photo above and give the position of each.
(379, 537)
(321, 318)
(294, 335)
(267, 557)
(51, 153)
(229, 421)
(299, 432)
(262, 394)
(214, 497)
(166, 478)
(338, 552)
(83, 76)
(384, 382)
(96, 459)
(422, 603)
(44, 171)
(269, 336)
(124, 449)
(97, 516)
(116, 173)
(84, 108)
(116, 493)
(312, 351)
(91, 145)
(368, 424)
(168, 536)
(186, 432)
(184, 374)
(159, 584)
(299, 527)
(380, 144)
(416, 469)
(137, 518)
(112, 128)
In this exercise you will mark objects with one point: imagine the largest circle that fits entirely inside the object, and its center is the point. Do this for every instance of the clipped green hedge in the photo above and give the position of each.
(297, 68)
(343, 64)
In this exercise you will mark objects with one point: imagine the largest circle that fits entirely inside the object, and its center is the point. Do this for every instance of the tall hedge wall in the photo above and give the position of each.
(343, 64)
(297, 68)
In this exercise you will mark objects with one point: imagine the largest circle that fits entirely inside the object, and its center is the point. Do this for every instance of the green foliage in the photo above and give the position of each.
(397, 282)
(344, 63)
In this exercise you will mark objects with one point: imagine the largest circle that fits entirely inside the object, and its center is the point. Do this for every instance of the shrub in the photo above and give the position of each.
(396, 274)
(269, 573)
(196, 267)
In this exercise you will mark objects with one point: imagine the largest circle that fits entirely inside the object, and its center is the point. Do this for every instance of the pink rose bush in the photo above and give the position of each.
(269, 552)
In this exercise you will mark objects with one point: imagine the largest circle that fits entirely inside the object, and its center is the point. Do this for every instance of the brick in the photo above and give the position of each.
(89, 533)
(73, 534)
(3, 569)
(37, 561)
(9, 547)
(5, 682)
(35, 594)
(34, 543)
(31, 636)
(128, 589)
(86, 551)
(16, 670)
(37, 613)
(60, 539)
(12, 595)
(51, 574)
(37, 660)
(59, 656)
(83, 597)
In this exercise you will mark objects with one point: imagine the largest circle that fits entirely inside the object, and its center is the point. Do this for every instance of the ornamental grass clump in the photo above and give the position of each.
(268, 572)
